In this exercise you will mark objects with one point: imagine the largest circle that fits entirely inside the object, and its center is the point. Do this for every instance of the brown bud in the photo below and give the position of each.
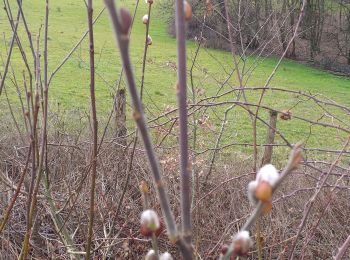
(136, 115)
(286, 115)
(160, 229)
(188, 11)
(144, 187)
(263, 191)
(267, 207)
(209, 7)
(147, 232)
(297, 156)
(125, 20)
(224, 249)
(177, 87)
(239, 250)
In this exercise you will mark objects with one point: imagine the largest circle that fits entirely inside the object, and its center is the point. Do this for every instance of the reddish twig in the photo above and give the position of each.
(94, 129)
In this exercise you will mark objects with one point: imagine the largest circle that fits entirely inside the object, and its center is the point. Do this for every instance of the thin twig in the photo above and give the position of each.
(9, 52)
(94, 129)
(311, 202)
(7, 212)
(181, 89)
(139, 117)
(342, 249)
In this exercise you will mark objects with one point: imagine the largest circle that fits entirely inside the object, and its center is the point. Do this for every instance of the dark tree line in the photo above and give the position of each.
(266, 26)
(343, 35)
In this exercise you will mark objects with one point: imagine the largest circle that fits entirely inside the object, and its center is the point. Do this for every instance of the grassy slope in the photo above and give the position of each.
(69, 87)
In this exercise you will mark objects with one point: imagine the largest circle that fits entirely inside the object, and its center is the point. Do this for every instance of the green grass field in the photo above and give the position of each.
(70, 86)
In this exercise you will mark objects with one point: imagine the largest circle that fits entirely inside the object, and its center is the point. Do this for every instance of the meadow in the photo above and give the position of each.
(69, 88)
(68, 23)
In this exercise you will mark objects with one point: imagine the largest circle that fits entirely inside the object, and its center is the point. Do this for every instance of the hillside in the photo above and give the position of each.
(68, 23)
(69, 86)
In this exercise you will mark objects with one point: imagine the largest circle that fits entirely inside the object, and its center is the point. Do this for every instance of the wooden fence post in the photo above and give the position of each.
(120, 116)
(270, 137)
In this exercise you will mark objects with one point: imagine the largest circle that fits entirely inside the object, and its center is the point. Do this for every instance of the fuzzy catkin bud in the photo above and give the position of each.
(242, 243)
(145, 19)
(165, 256)
(149, 40)
(151, 255)
(251, 192)
(150, 219)
(262, 187)
(269, 174)
(150, 223)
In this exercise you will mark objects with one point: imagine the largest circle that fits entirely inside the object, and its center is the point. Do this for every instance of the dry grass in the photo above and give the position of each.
(220, 207)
